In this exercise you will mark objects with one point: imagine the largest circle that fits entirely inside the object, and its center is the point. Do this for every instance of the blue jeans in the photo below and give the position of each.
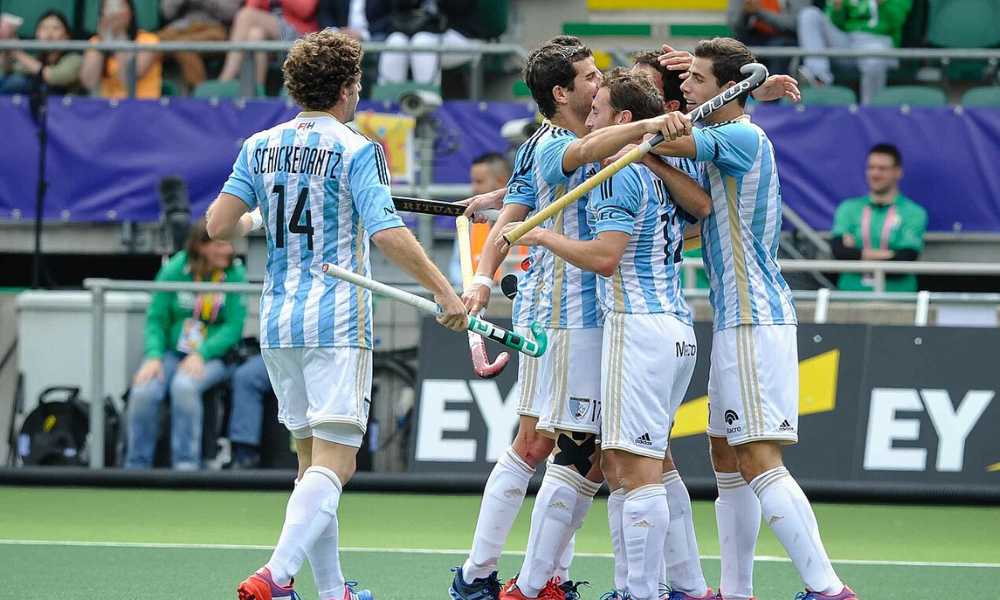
(250, 385)
(185, 414)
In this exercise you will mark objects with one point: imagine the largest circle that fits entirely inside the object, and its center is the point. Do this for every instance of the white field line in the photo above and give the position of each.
(454, 551)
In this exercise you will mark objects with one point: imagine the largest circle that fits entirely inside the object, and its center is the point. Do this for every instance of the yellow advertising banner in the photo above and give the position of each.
(395, 133)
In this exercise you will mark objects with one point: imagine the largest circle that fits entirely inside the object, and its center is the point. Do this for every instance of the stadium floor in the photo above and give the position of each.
(80, 543)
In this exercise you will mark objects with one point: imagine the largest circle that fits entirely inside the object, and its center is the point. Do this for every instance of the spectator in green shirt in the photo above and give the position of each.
(883, 225)
(862, 24)
(187, 336)
(19, 71)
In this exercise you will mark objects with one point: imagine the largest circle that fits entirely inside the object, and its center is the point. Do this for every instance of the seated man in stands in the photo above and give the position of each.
(766, 23)
(882, 225)
(423, 22)
(863, 24)
(187, 336)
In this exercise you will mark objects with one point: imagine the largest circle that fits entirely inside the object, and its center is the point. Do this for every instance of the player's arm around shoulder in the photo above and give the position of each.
(684, 191)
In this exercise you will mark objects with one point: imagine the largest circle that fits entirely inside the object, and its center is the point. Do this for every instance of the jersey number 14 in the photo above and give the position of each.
(294, 224)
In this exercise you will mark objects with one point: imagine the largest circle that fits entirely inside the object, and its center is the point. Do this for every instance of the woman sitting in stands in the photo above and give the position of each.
(187, 336)
(21, 71)
(106, 74)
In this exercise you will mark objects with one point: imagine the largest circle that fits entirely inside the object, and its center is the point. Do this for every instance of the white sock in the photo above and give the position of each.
(646, 517)
(324, 558)
(311, 508)
(551, 527)
(680, 553)
(616, 502)
(502, 500)
(584, 500)
(790, 516)
(737, 512)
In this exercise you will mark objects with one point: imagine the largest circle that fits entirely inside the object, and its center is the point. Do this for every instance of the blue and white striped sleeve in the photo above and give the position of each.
(731, 147)
(368, 180)
(240, 182)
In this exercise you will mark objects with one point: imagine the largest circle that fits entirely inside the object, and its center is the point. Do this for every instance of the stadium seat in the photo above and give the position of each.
(147, 15)
(982, 96)
(829, 95)
(912, 95)
(389, 92)
(30, 10)
(213, 88)
(964, 23)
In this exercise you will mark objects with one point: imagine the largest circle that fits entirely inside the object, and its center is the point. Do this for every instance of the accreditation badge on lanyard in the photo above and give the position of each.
(206, 309)
(883, 238)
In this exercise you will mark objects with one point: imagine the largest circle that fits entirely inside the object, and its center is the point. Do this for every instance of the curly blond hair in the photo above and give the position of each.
(318, 67)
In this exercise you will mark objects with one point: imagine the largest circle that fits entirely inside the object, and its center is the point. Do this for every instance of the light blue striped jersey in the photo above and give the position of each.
(552, 292)
(740, 237)
(322, 189)
(636, 202)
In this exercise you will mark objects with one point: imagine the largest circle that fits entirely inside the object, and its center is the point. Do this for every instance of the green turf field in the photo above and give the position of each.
(71, 543)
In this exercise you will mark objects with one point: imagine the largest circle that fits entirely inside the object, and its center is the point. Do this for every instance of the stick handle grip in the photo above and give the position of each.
(464, 250)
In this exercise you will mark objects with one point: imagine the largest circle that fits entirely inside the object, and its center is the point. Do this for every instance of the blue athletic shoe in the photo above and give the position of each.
(351, 594)
(484, 588)
(668, 594)
(845, 594)
(569, 588)
(616, 595)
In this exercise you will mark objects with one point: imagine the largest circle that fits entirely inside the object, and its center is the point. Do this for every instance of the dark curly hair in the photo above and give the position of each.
(549, 66)
(318, 67)
(671, 79)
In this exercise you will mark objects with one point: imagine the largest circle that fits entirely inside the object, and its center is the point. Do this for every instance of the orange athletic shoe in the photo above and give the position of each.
(551, 591)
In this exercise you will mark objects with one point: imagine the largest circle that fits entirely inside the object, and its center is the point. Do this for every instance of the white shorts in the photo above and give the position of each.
(648, 361)
(527, 380)
(567, 395)
(753, 384)
(324, 392)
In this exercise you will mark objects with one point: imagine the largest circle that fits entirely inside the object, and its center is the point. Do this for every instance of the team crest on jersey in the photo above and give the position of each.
(579, 406)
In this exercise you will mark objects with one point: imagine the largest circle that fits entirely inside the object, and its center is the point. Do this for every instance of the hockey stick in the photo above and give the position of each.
(532, 347)
(757, 74)
(480, 360)
(437, 207)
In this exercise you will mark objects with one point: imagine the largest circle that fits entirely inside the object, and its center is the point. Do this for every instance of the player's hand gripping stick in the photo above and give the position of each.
(480, 360)
(757, 74)
(532, 347)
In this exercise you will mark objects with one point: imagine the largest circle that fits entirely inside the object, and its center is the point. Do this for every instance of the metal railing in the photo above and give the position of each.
(922, 300)
(878, 268)
(247, 83)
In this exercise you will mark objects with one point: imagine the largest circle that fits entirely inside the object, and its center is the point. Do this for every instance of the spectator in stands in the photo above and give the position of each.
(863, 24)
(766, 23)
(251, 385)
(261, 20)
(107, 74)
(883, 225)
(196, 21)
(427, 22)
(489, 172)
(20, 71)
(187, 336)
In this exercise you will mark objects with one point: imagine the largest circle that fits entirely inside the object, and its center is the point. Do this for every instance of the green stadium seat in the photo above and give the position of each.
(389, 92)
(493, 17)
(982, 96)
(147, 15)
(829, 95)
(964, 23)
(30, 10)
(521, 89)
(213, 88)
(169, 88)
(912, 95)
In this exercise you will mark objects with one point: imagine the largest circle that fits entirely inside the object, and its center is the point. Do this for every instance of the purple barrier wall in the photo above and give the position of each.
(105, 160)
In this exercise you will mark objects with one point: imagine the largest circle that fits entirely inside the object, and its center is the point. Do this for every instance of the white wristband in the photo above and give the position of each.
(481, 280)
(256, 220)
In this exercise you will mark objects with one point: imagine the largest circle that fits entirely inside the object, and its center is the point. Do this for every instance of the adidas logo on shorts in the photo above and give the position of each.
(644, 440)
(785, 426)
